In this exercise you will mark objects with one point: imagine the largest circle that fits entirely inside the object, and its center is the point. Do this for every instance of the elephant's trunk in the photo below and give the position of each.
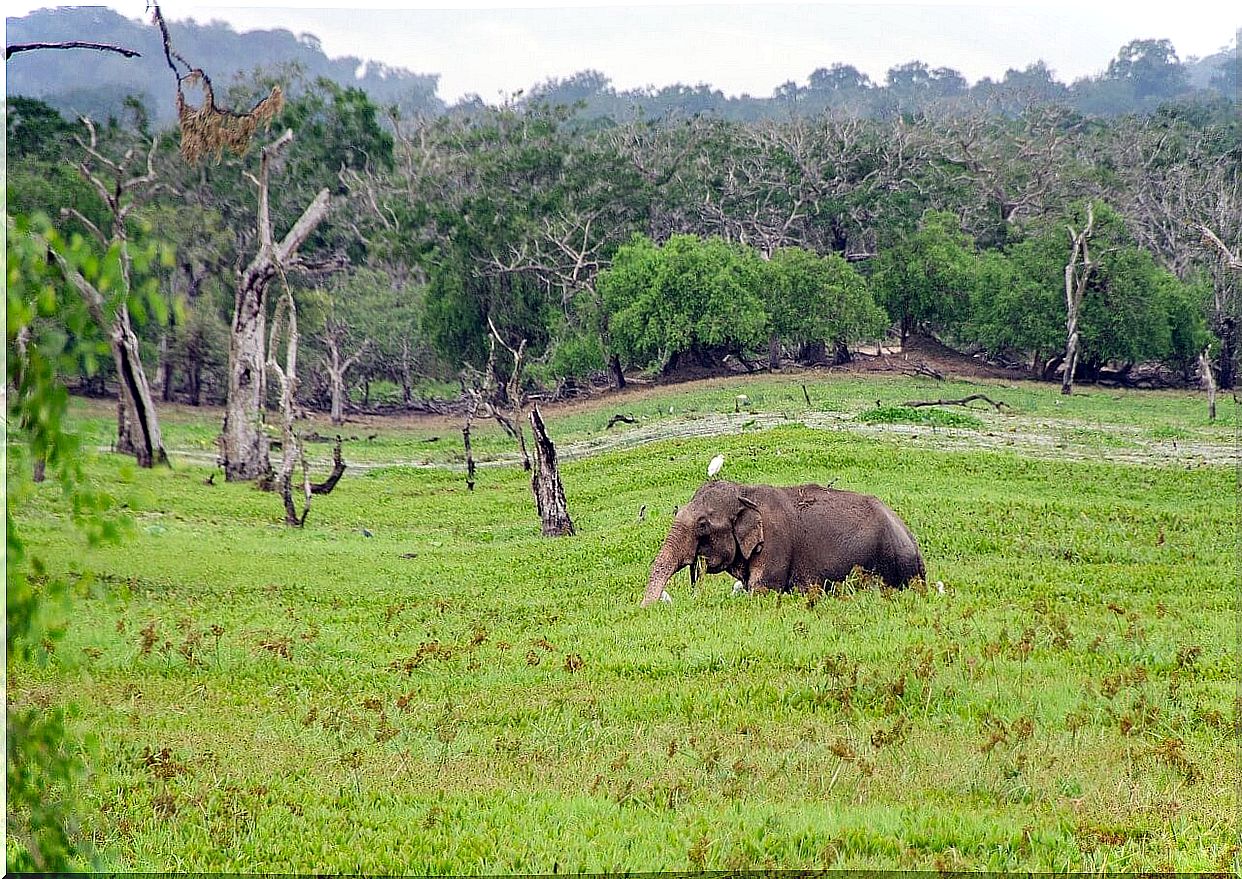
(675, 554)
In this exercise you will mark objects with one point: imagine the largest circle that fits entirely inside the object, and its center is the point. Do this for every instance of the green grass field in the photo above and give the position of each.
(456, 694)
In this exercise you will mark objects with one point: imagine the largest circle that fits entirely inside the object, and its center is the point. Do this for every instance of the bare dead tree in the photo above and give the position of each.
(565, 254)
(121, 184)
(1077, 275)
(1208, 381)
(1182, 196)
(484, 399)
(1018, 167)
(513, 392)
(545, 482)
(290, 444)
(478, 393)
(338, 366)
(243, 443)
(1231, 257)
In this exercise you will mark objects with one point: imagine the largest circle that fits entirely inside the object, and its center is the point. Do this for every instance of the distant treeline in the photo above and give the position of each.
(1144, 74)
(644, 243)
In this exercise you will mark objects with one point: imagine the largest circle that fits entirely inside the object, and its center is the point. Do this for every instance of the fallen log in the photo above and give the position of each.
(619, 418)
(965, 401)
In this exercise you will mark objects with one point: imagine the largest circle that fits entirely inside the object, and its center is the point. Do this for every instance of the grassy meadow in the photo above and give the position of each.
(417, 682)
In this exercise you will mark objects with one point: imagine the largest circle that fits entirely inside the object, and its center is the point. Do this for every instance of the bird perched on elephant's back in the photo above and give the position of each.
(786, 537)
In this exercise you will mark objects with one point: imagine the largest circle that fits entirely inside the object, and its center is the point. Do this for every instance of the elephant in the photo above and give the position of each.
(786, 537)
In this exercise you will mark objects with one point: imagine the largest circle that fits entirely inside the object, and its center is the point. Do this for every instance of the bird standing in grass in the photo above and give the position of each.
(714, 466)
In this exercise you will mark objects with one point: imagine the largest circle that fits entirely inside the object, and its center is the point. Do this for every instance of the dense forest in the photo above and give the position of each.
(1023, 221)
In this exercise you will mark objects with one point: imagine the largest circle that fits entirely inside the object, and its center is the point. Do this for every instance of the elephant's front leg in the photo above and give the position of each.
(763, 575)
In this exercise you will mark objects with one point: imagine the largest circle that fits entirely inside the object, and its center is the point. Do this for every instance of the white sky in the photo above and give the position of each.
(496, 48)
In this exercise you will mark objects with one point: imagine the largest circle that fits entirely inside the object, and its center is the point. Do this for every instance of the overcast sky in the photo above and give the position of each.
(496, 48)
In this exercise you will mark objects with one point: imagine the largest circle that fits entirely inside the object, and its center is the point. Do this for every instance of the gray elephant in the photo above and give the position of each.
(785, 537)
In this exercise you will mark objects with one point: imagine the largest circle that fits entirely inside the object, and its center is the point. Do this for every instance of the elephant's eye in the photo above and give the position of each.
(701, 525)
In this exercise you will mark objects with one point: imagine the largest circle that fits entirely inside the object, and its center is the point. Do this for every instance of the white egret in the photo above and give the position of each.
(714, 467)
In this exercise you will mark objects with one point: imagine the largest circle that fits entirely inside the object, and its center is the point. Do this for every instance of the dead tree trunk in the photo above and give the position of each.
(338, 367)
(166, 369)
(243, 444)
(290, 444)
(407, 396)
(478, 394)
(1209, 382)
(545, 482)
(138, 425)
(618, 375)
(141, 420)
(774, 354)
(1077, 275)
(465, 436)
(338, 470)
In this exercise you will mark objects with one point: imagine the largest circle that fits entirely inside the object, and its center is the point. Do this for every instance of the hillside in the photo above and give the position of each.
(96, 83)
(89, 83)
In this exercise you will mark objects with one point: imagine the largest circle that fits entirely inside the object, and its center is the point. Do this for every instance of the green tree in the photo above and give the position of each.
(812, 300)
(36, 131)
(1151, 67)
(1132, 310)
(924, 282)
(1017, 309)
(689, 296)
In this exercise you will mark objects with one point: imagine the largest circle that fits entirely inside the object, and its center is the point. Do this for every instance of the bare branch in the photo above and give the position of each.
(94, 300)
(13, 48)
(1233, 259)
(311, 217)
(91, 227)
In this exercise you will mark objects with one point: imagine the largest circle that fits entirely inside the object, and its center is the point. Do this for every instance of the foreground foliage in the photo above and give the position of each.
(418, 681)
(43, 759)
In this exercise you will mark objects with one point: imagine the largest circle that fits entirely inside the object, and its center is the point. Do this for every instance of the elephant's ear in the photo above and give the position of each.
(748, 527)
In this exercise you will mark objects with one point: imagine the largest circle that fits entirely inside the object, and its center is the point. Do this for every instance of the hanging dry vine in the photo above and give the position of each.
(208, 128)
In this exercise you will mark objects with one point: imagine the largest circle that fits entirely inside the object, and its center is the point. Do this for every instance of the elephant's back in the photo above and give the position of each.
(841, 529)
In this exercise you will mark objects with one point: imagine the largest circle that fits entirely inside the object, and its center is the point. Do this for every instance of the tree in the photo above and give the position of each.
(689, 296)
(35, 130)
(838, 78)
(1077, 275)
(924, 282)
(243, 443)
(336, 336)
(1178, 181)
(1151, 67)
(1120, 307)
(1016, 304)
(1004, 170)
(120, 187)
(812, 300)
